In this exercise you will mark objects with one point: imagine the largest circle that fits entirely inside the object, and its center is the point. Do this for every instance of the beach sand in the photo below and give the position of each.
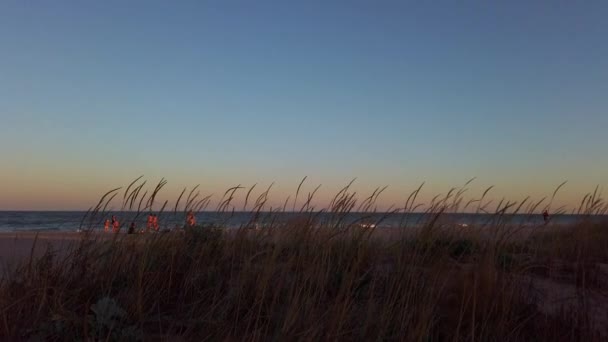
(19, 246)
(550, 296)
(16, 247)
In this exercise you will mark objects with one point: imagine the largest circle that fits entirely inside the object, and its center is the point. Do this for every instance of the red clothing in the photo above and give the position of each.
(155, 222)
(191, 220)
(149, 224)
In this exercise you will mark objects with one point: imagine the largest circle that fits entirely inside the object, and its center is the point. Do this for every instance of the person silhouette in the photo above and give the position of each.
(132, 228)
(115, 225)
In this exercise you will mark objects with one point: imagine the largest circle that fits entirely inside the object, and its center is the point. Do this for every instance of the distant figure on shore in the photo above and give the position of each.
(115, 224)
(546, 216)
(190, 219)
(149, 223)
(106, 225)
(131, 228)
(155, 222)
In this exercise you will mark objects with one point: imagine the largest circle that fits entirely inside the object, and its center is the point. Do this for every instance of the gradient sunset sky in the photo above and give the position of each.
(96, 93)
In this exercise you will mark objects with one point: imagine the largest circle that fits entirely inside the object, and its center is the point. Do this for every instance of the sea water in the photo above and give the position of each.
(73, 220)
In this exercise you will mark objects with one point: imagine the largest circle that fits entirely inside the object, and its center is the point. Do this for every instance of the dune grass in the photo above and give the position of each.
(310, 280)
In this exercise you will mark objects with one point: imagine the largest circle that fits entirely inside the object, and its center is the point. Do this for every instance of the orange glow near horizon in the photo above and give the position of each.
(222, 93)
(70, 192)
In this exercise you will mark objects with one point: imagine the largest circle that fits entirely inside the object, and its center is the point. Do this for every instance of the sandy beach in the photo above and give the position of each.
(19, 246)
(549, 294)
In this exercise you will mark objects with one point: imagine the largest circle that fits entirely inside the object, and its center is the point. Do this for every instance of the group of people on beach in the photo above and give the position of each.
(151, 224)
(113, 223)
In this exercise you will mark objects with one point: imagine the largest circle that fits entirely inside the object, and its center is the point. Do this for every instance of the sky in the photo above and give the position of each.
(220, 93)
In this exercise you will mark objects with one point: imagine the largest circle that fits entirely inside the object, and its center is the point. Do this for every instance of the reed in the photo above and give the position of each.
(313, 279)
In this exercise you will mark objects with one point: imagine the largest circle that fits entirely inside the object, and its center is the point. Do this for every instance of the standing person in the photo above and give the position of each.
(193, 220)
(190, 219)
(132, 228)
(155, 222)
(149, 223)
(106, 225)
(546, 216)
(115, 224)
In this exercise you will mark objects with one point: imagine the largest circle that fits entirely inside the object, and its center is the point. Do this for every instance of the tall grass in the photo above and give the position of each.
(313, 279)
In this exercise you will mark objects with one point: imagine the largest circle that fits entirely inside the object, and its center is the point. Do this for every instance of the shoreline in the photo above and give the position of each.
(16, 245)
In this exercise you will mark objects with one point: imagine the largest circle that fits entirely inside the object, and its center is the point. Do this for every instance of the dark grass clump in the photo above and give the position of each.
(309, 280)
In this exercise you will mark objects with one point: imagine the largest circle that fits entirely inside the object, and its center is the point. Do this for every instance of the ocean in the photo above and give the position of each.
(11, 221)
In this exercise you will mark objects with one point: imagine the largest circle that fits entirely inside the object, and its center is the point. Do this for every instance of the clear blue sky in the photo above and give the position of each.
(93, 93)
